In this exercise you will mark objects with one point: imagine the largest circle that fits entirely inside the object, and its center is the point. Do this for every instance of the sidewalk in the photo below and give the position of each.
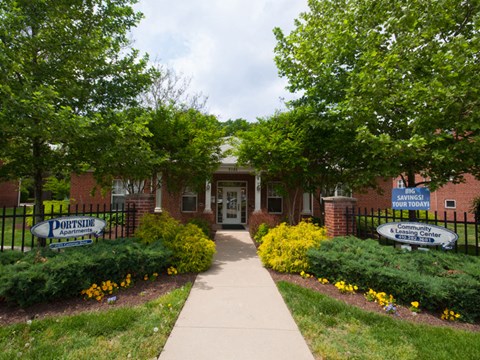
(235, 311)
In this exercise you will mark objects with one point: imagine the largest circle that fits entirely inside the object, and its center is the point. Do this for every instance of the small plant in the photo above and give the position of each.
(98, 292)
(371, 295)
(390, 308)
(450, 315)
(305, 275)
(127, 282)
(323, 281)
(111, 300)
(172, 271)
(345, 288)
(415, 307)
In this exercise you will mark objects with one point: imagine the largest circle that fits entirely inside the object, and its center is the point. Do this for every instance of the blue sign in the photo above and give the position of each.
(411, 199)
(66, 244)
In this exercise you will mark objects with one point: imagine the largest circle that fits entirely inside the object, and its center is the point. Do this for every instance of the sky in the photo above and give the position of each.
(226, 47)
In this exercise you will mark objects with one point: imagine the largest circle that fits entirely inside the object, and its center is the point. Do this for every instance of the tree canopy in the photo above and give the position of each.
(65, 67)
(403, 75)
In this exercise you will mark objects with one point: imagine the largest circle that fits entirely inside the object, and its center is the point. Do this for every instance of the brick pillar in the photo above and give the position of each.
(335, 215)
(143, 204)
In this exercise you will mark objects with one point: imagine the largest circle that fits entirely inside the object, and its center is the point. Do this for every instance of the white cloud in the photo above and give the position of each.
(226, 47)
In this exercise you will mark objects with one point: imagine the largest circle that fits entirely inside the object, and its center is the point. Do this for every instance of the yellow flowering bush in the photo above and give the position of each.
(285, 247)
(323, 281)
(345, 288)
(450, 315)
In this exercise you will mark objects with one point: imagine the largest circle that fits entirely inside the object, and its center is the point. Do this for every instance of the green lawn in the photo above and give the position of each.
(130, 332)
(335, 330)
(7, 228)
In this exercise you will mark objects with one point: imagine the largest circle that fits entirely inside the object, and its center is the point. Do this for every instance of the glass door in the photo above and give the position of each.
(232, 205)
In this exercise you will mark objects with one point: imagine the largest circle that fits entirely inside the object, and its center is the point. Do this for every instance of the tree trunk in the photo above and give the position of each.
(412, 214)
(38, 191)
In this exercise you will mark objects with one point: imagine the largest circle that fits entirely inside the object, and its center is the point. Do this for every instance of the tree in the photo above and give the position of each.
(403, 75)
(303, 151)
(65, 67)
(275, 148)
(171, 88)
(189, 144)
(234, 127)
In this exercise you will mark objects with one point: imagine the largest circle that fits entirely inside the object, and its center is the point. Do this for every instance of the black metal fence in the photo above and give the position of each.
(16, 222)
(363, 224)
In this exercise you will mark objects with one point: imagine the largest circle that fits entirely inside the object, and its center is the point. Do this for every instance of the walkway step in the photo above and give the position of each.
(234, 311)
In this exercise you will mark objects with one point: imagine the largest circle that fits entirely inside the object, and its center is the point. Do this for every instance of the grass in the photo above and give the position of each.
(9, 235)
(335, 330)
(119, 333)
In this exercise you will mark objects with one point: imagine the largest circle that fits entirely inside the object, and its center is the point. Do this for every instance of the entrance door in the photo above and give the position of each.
(232, 205)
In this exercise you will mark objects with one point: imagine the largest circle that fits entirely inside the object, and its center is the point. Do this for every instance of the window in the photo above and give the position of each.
(400, 184)
(118, 194)
(450, 204)
(274, 199)
(189, 201)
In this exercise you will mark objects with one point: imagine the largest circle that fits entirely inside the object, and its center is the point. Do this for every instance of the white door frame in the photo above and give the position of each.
(234, 208)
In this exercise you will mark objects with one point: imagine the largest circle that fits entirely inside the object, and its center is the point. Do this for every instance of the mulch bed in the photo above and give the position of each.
(139, 293)
(359, 300)
(144, 291)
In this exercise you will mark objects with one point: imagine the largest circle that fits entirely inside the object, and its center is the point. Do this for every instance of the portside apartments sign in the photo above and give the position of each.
(69, 227)
(418, 234)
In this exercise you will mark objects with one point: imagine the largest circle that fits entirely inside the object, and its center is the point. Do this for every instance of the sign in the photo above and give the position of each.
(418, 234)
(411, 199)
(68, 227)
(66, 244)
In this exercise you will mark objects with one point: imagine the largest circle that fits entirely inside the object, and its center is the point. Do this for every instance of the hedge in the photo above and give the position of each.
(45, 274)
(438, 280)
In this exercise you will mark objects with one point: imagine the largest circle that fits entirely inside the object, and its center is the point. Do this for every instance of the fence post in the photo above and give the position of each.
(143, 204)
(336, 215)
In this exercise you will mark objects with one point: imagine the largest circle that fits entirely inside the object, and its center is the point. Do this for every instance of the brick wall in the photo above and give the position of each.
(143, 204)
(335, 219)
(9, 193)
(376, 199)
(81, 187)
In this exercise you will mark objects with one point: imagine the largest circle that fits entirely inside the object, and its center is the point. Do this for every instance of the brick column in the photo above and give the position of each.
(335, 218)
(143, 204)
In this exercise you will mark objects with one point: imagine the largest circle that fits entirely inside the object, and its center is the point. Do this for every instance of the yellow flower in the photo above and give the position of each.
(415, 304)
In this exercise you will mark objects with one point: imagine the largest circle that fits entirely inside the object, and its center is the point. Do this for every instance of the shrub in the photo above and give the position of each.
(155, 227)
(435, 279)
(284, 248)
(203, 224)
(259, 218)
(192, 250)
(261, 232)
(45, 274)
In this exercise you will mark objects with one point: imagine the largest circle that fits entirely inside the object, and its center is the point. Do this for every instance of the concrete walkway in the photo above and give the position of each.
(234, 311)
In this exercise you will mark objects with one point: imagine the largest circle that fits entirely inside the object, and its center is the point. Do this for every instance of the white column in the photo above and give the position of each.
(258, 193)
(208, 197)
(307, 204)
(158, 194)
